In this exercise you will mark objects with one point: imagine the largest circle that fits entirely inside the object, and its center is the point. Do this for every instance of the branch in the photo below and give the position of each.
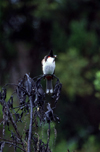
(10, 140)
(6, 142)
(48, 133)
(14, 124)
(30, 126)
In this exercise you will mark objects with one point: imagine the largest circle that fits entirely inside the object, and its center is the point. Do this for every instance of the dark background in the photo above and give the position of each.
(29, 29)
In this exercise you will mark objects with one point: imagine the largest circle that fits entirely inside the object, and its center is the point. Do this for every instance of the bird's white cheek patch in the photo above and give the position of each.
(50, 60)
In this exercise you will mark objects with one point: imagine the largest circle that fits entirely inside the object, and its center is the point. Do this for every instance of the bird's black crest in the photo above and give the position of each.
(51, 53)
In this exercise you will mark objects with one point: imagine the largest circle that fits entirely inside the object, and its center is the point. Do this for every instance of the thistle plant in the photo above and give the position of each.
(22, 120)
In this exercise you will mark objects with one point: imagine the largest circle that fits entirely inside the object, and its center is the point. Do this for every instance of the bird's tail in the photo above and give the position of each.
(49, 87)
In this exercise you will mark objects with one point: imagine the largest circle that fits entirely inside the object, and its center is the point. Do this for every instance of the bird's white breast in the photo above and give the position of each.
(49, 66)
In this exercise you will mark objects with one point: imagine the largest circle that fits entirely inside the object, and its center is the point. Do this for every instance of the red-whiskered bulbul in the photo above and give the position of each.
(48, 67)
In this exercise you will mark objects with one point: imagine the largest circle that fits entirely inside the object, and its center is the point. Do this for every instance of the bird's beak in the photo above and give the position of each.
(55, 56)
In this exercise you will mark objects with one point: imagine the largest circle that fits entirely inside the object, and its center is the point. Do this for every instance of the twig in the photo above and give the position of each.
(48, 133)
(30, 126)
(37, 142)
(10, 140)
(14, 124)
(9, 84)
(6, 142)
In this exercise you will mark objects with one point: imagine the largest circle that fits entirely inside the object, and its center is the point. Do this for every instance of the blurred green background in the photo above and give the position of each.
(28, 30)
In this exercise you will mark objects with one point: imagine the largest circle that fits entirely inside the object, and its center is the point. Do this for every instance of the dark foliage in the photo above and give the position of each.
(32, 102)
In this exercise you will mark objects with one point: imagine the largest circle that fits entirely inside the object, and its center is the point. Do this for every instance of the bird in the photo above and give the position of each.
(48, 68)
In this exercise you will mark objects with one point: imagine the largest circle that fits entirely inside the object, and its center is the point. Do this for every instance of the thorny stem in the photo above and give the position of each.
(30, 125)
(10, 141)
(37, 142)
(48, 133)
(6, 142)
(13, 123)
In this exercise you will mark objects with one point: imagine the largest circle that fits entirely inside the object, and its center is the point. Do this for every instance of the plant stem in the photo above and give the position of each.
(14, 124)
(30, 125)
(11, 143)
